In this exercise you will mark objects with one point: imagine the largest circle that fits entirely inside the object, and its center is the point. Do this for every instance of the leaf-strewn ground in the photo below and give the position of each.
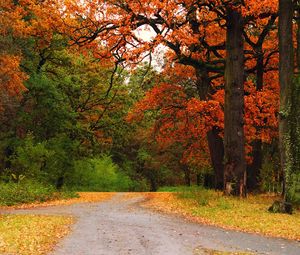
(31, 234)
(248, 215)
(84, 197)
(120, 224)
(36, 234)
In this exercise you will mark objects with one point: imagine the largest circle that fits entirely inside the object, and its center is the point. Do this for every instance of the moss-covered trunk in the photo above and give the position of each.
(286, 73)
(294, 124)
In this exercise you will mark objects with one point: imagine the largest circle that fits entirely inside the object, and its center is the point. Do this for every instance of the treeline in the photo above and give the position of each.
(223, 111)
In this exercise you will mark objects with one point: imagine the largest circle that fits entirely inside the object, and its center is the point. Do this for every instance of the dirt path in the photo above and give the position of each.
(120, 227)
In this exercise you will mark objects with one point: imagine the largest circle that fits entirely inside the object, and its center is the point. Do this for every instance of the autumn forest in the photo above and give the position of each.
(104, 95)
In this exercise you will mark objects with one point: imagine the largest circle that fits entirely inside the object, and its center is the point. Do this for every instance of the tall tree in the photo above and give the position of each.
(286, 73)
(192, 30)
(257, 46)
(293, 189)
(234, 138)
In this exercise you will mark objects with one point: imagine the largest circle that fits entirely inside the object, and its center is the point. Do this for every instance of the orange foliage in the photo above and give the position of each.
(195, 37)
(11, 77)
(25, 19)
(187, 121)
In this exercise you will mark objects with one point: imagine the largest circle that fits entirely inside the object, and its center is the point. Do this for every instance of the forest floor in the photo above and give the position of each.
(122, 225)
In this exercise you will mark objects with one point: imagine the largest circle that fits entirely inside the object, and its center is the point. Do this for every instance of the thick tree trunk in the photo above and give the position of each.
(234, 139)
(286, 71)
(253, 170)
(215, 142)
(294, 124)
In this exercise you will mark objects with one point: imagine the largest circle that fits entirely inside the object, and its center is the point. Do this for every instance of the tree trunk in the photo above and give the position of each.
(294, 123)
(259, 68)
(216, 149)
(286, 71)
(198, 179)
(153, 183)
(215, 142)
(234, 139)
(202, 83)
(187, 175)
(253, 170)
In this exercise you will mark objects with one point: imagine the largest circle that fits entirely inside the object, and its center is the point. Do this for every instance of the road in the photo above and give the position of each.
(121, 227)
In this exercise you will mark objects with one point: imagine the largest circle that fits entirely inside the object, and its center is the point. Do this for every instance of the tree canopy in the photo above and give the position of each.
(76, 78)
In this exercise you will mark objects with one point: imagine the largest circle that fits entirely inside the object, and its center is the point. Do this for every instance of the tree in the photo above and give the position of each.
(234, 139)
(261, 53)
(11, 76)
(193, 31)
(286, 72)
(195, 35)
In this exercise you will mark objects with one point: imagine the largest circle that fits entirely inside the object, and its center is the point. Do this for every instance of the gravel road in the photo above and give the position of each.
(121, 227)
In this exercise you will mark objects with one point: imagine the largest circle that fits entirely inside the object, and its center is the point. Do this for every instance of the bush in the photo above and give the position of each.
(28, 192)
(25, 192)
(98, 174)
(29, 158)
(140, 184)
(44, 162)
(294, 189)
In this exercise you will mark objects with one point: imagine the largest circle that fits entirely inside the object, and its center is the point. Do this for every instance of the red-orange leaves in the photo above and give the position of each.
(165, 97)
(22, 19)
(180, 120)
(255, 8)
(11, 77)
(208, 113)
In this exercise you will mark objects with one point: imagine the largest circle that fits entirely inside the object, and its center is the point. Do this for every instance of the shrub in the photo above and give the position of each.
(28, 191)
(29, 158)
(294, 190)
(98, 174)
(24, 192)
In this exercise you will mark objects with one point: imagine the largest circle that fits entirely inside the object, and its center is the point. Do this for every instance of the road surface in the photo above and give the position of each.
(121, 227)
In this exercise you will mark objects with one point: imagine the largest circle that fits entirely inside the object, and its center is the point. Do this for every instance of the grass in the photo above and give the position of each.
(31, 235)
(210, 207)
(82, 197)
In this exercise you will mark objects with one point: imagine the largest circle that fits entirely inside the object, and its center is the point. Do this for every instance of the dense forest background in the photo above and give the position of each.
(83, 107)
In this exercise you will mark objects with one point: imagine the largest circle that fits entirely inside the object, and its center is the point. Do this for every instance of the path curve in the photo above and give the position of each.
(120, 227)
